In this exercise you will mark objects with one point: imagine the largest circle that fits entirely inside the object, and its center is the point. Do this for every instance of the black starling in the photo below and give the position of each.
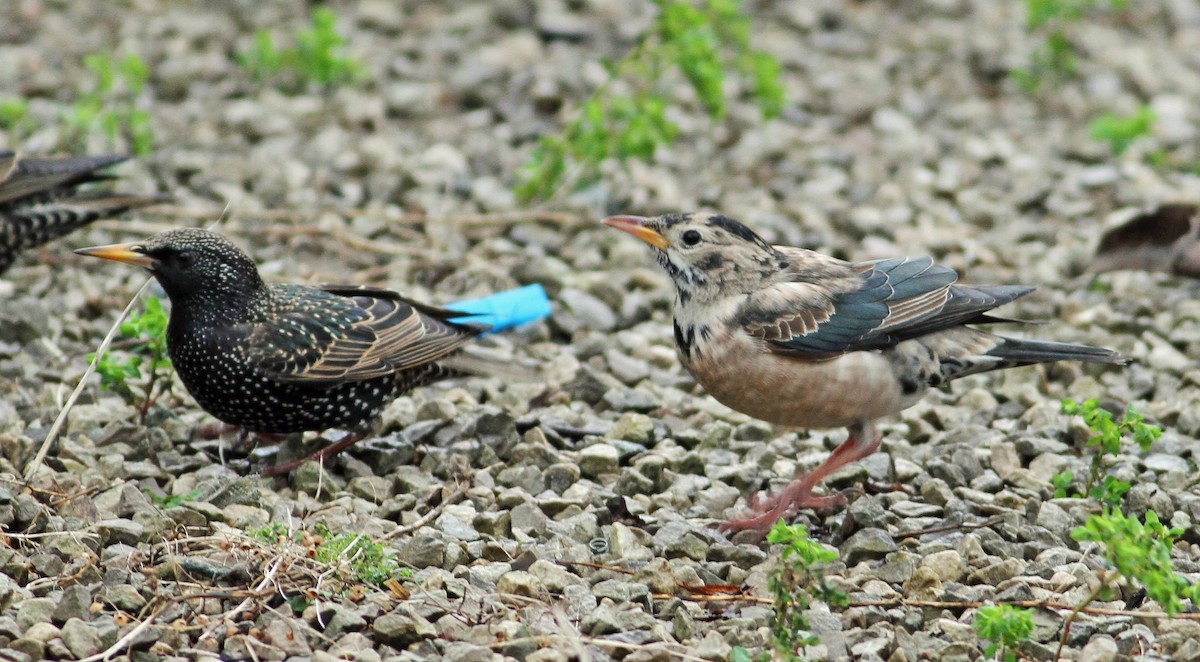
(277, 359)
(40, 200)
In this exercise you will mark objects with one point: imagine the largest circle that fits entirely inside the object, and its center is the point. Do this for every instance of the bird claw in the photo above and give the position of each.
(765, 512)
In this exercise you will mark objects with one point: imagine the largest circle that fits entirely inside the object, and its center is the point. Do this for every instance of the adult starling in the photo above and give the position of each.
(40, 199)
(277, 359)
(801, 339)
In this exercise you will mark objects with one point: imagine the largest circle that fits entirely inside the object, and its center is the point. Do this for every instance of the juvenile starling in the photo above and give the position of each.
(277, 359)
(801, 339)
(40, 200)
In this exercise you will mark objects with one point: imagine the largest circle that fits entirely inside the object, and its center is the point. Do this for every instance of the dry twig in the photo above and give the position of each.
(36, 463)
(454, 497)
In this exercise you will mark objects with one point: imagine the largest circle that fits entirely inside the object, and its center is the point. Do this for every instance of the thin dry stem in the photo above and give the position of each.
(36, 463)
(454, 497)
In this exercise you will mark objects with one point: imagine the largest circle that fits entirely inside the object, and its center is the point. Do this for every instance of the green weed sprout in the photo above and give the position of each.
(1055, 58)
(1141, 552)
(170, 500)
(704, 44)
(369, 561)
(318, 56)
(111, 105)
(143, 356)
(272, 533)
(1004, 627)
(797, 581)
(365, 560)
(1120, 132)
(14, 117)
(1107, 437)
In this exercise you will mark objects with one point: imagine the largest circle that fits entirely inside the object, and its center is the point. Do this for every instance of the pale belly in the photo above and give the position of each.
(836, 393)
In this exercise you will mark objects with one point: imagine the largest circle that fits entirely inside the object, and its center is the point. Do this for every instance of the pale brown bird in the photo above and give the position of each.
(801, 339)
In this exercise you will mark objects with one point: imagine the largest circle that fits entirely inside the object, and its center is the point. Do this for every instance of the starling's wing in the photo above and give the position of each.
(339, 334)
(872, 305)
(29, 181)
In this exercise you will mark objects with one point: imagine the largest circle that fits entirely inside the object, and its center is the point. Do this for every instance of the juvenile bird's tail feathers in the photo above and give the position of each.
(1020, 351)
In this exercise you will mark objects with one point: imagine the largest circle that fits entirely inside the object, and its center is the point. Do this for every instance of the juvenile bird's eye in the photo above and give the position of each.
(691, 238)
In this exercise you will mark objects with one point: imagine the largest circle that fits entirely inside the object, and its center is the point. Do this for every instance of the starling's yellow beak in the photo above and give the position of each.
(120, 253)
(640, 228)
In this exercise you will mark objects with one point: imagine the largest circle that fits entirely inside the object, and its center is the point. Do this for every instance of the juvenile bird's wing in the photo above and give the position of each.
(868, 305)
(340, 334)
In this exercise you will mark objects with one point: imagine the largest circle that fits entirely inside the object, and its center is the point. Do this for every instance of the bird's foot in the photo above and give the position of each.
(765, 512)
(322, 454)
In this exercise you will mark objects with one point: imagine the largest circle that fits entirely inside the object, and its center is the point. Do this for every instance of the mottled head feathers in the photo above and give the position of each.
(192, 264)
(707, 255)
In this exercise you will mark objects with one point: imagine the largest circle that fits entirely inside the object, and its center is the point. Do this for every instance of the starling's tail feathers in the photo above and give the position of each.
(38, 180)
(471, 361)
(37, 224)
(505, 310)
(1017, 351)
(40, 199)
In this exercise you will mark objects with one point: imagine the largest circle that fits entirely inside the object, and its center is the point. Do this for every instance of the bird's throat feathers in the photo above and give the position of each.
(696, 325)
(224, 306)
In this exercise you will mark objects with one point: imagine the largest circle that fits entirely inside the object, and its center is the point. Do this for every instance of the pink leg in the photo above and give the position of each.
(764, 513)
(329, 451)
(214, 430)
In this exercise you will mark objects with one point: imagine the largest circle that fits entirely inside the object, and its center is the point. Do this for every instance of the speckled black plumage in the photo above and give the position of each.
(40, 199)
(287, 358)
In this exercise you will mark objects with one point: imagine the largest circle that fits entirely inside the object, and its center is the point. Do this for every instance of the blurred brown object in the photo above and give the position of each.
(1164, 239)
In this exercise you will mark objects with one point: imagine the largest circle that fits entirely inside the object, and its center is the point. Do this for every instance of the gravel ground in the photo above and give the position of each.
(546, 521)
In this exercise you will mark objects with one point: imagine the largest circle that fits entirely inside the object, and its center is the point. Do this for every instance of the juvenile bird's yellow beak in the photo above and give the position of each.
(640, 228)
(120, 253)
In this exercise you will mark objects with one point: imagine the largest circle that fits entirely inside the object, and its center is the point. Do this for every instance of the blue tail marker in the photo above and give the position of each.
(505, 310)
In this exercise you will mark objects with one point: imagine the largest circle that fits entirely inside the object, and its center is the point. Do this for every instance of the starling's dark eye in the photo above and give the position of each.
(184, 259)
(691, 238)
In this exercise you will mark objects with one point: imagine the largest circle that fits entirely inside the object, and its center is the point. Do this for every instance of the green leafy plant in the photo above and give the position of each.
(170, 500)
(361, 559)
(795, 582)
(1004, 627)
(1054, 59)
(703, 43)
(14, 117)
(1141, 552)
(368, 561)
(142, 356)
(273, 533)
(1107, 437)
(111, 105)
(318, 56)
(1120, 131)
